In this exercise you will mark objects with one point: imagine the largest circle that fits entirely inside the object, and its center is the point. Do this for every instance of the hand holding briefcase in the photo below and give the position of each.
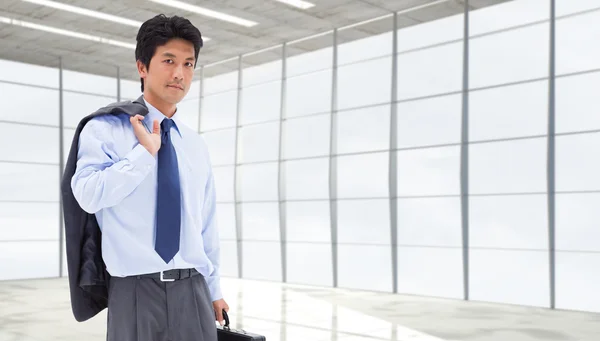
(225, 333)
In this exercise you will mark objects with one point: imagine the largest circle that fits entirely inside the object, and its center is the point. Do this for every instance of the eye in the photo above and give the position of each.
(169, 61)
(189, 64)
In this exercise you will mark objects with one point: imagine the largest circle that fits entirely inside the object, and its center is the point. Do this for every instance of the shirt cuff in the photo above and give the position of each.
(141, 158)
(214, 286)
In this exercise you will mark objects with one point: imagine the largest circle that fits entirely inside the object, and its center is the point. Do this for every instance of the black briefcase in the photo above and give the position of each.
(226, 333)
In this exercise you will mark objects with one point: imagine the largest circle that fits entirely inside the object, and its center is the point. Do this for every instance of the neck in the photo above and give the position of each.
(165, 108)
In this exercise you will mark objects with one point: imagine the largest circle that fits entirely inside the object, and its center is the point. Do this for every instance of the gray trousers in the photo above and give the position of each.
(147, 309)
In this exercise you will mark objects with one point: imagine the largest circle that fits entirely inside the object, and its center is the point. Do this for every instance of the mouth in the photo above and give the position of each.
(176, 87)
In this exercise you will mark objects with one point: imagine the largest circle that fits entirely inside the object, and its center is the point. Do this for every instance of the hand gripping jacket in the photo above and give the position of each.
(88, 278)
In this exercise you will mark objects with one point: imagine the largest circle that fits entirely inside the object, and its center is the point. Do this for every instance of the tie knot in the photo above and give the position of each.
(166, 124)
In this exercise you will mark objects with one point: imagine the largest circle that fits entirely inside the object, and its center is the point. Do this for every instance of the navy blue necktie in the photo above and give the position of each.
(168, 201)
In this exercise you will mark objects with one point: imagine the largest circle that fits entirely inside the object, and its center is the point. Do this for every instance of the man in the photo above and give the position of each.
(147, 180)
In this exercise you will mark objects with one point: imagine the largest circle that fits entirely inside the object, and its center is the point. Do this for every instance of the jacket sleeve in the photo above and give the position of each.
(210, 236)
(101, 179)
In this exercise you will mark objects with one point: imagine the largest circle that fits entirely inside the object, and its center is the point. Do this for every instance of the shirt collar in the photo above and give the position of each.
(154, 114)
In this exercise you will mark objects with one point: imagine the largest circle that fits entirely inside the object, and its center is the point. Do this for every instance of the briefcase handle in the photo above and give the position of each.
(226, 317)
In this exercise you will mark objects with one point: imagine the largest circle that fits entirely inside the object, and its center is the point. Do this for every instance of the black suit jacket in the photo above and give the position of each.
(88, 278)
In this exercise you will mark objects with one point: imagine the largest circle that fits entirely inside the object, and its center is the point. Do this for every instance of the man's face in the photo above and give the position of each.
(171, 71)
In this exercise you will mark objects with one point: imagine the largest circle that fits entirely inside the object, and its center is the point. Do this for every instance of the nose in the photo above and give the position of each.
(178, 73)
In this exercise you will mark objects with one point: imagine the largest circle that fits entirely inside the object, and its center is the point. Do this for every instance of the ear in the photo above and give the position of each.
(141, 69)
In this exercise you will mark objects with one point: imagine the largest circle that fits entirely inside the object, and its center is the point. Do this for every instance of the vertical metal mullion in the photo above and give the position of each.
(551, 154)
(118, 84)
(236, 173)
(281, 168)
(61, 163)
(464, 155)
(333, 163)
(393, 160)
(201, 99)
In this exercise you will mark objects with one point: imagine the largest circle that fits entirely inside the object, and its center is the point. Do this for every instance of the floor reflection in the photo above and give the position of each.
(39, 310)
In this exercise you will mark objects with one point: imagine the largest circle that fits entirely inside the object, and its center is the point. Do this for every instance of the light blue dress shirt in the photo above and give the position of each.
(116, 179)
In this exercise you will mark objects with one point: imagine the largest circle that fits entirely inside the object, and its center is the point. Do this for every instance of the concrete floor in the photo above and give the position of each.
(39, 310)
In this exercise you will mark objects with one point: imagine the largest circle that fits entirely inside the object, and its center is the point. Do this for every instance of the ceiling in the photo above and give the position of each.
(277, 23)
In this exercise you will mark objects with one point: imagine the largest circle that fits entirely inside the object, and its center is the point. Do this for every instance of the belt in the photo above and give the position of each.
(171, 275)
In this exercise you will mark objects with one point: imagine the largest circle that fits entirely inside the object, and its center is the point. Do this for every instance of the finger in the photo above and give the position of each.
(136, 120)
(220, 316)
(156, 127)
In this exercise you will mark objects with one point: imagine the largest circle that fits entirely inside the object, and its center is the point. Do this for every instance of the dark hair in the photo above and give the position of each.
(158, 31)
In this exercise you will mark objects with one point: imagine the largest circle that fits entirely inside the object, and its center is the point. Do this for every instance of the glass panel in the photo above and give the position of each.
(374, 87)
(509, 56)
(577, 103)
(261, 103)
(24, 260)
(320, 56)
(430, 121)
(316, 86)
(430, 272)
(256, 70)
(18, 223)
(436, 70)
(18, 106)
(512, 221)
(226, 221)
(258, 182)
(68, 135)
(307, 179)
(429, 222)
(429, 171)
(577, 281)
(219, 111)
(260, 221)
(130, 89)
(28, 143)
(364, 130)
(308, 221)
(20, 182)
(577, 169)
(221, 146)
(296, 131)
(511, 111)
(507, 14)
(309, 264)
(77, 106)
(364, 221)
(224, 181)
(229, 258)
(378, 43)
(565, 7)
(188, 111)
(80, 81)
(507, 276)
(262, 260)
(430, 32)
(356, 270)
(259, 143)
(577, 217)
(363, 175)
(194, 92)
(29, 73)
(221, 77)
(508, 167)
(576, 48)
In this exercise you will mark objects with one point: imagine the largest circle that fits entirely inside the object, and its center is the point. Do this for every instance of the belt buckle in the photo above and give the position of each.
(163, 279)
